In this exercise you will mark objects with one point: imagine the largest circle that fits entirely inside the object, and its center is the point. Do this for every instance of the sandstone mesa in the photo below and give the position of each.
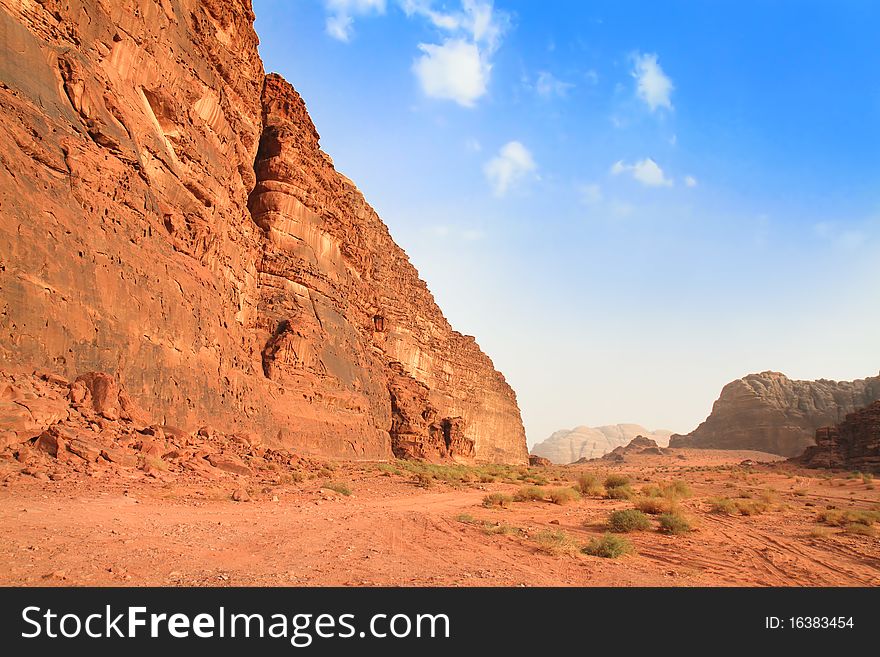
(769, 412)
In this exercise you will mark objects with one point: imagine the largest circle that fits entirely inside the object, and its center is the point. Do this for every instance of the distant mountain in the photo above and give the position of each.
(569, 445)
(771, 413)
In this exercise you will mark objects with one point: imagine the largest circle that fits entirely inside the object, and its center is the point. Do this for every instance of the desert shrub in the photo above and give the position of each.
(588, 484)
(676, 489)
(388, 469)
(501, 528)
(655, 505)
(651, 490)
(423, 480)
(867, 478)
(563, 495)
(609, 546)
(859, 529)
(616, 481)
(844, 517)
(325, 472)
(528, 494)
(555, 542)
(497, 499)
(628, 520)
(751, 507)
(620, 493)
(466, 518)
(673, 523)
(340, 488)
(722, 505)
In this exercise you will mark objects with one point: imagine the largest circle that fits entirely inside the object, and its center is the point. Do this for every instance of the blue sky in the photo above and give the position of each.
(627, 203)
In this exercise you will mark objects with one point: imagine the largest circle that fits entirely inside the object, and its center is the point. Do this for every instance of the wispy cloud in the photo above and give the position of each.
(341, 14)
(646, 171)
(548, 85)
(653, 86)
(690, 181)
(460, 66)
(590, 193)
(443, 231)
(513, 164)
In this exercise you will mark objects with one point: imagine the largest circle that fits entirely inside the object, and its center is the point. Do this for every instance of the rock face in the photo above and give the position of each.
(570, 445)
(167, 216)
(853, 444)
(769, 412)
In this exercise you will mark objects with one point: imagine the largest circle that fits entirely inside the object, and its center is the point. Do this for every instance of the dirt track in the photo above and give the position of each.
(124, 529)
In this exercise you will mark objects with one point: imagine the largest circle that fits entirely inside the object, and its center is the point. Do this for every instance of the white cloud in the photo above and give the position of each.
(442, 231)
(547, 85)
(512, 164)
(590, 193)
(473, 145)
(646, 171)
(341, 13)
(690, 181)
(458, 68)
(455, 70)
(652, 84)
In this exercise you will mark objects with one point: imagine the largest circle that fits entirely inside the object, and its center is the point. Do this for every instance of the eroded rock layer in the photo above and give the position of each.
(769, 412)
(169, 217)
(853, 444)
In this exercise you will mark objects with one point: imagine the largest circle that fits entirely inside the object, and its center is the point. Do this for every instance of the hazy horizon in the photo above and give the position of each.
(628, 205)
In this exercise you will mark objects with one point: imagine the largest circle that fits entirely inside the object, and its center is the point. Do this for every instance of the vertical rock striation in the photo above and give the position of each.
(852, 444)
(169, 217)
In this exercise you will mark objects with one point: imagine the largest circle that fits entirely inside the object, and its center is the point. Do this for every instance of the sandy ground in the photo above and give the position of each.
(122, 528)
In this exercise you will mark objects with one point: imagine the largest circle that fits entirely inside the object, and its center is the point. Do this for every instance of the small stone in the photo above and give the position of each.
(240, 495)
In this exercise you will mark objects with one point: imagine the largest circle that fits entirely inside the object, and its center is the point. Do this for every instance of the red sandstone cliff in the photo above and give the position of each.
(771, 413)
(168, 216)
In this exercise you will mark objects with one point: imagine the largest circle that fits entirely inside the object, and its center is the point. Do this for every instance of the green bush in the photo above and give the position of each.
(674, 523)
(628, 520)
(609, 546)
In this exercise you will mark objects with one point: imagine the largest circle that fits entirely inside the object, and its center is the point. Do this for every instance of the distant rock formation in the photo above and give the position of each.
(638, 445)
(853, 444)
(570, 445)
(769, 412)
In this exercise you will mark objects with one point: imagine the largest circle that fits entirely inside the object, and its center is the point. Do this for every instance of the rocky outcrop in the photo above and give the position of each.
(539, 461)
(853, 444)
(638, 445)
(769, 412)
(570, 445)
(168, 217)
